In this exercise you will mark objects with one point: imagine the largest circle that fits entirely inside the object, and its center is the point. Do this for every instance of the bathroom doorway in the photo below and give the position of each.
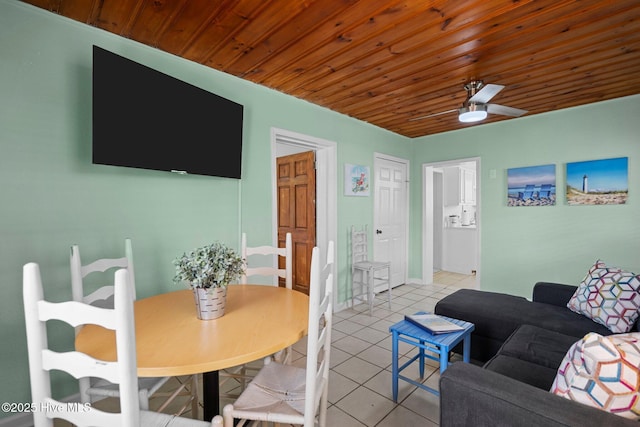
(451, 218)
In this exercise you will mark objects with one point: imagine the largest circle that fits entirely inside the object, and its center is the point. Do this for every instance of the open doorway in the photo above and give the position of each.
(451, 218)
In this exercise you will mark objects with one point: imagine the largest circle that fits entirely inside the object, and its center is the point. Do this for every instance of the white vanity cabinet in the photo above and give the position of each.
(459, 249)
(459, 186)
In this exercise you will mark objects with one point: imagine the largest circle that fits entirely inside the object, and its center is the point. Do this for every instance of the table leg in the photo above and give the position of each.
(389, 285)
(421, 359)
(394, 365)
(444, 358)
(466, 348)
(370, 295)
(210, 394)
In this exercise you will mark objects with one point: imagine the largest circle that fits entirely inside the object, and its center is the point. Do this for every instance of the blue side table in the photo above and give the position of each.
(439, 344)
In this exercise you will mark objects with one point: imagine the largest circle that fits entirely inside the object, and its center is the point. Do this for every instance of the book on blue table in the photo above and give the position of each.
(433, 323)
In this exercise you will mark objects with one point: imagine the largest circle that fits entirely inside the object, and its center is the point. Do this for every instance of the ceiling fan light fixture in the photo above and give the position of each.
(472, 113)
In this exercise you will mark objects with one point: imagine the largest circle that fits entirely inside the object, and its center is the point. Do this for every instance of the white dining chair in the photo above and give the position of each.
(43, 360)
(281, 267)
(288, 394)
(365, 273)
(263, 261)
(101, 295)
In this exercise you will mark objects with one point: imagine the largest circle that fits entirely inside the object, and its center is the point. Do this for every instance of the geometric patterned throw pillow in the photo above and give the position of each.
(609, 296)
(603, 372)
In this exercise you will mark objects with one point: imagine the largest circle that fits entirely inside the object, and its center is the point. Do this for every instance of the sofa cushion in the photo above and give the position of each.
(496, 316)
(603, 372)
(493, 314)
(609, 296)
(472, 396)
(537, 345)
(522, 370)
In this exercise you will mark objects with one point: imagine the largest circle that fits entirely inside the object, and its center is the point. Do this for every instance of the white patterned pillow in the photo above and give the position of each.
(603, 372)
(609, 296)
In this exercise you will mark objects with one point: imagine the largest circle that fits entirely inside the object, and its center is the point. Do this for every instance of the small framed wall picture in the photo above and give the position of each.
(356, 180)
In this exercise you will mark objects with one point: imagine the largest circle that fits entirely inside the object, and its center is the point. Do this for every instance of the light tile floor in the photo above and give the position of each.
(360, 381)
(360, 376)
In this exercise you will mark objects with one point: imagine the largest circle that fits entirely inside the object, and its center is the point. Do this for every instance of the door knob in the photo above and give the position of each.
(378, 231)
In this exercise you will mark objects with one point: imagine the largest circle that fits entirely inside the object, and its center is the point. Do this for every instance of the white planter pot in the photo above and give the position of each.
(210, 303)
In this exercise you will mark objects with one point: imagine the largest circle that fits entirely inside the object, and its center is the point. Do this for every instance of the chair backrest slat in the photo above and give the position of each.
(103, 293)
(264, 271)
(266, 250)
(78, 365)
(104, 264)
(76, 313)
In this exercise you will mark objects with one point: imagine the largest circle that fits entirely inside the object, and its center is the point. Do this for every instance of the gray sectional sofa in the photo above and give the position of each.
(516, 347)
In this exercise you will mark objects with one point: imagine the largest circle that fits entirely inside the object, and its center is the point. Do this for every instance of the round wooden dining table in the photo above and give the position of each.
(259, 320)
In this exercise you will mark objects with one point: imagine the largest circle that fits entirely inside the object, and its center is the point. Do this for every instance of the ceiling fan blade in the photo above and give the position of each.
(431, 115)
(505, 111)
(486, 93)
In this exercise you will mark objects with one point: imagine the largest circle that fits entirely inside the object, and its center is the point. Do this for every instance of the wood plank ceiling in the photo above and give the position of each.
(387, 62)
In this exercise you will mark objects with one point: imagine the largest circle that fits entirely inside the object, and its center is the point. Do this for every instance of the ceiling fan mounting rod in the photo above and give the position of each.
(473, 87)
(476, 106)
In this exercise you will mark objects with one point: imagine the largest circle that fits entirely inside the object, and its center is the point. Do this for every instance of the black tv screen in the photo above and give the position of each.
(143, 118)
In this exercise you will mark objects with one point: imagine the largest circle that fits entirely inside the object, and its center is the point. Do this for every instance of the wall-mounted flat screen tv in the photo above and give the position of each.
(143, 118)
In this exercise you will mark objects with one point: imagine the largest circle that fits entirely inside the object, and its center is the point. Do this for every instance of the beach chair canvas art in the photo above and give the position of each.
(531, 186)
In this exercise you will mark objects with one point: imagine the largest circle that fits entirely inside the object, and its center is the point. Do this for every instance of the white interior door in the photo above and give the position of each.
(391, 214)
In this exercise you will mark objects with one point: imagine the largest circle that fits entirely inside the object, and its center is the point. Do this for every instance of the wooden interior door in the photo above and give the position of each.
(296, 177)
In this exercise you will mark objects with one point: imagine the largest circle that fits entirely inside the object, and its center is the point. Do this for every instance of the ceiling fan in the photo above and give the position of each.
(476, 107)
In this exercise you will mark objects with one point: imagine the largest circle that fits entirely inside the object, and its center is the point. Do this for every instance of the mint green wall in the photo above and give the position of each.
(52, 196)
(522, 245)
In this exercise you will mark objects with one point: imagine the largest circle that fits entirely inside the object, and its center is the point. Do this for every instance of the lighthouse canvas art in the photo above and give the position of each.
(598, 182)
